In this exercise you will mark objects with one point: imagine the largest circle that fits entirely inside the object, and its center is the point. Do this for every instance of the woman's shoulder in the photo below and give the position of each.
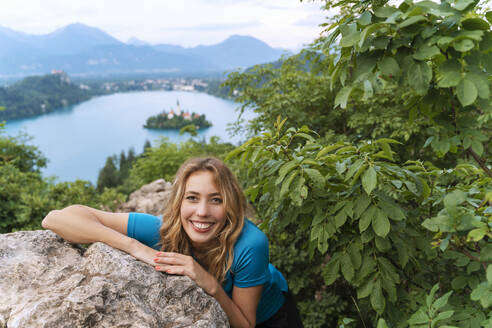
(251, 237)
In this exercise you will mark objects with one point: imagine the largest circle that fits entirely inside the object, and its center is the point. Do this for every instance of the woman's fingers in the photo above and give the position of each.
(173, 258)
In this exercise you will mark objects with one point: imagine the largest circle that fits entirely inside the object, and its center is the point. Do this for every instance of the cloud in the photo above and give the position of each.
(280, 23)
(215, 27)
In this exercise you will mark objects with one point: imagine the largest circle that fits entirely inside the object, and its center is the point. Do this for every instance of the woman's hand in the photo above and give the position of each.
(175, 263)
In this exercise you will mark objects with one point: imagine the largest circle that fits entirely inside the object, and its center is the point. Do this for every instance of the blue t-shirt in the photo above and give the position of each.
(250, 266)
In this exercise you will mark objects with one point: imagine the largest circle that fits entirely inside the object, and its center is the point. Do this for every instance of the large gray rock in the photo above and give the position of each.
(47, 282)
(151, 198)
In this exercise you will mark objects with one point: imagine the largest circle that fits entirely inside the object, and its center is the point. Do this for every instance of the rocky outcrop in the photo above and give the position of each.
(151, 198)
(47, 282)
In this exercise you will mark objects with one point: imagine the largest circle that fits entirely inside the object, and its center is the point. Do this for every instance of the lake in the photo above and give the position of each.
(78, 139)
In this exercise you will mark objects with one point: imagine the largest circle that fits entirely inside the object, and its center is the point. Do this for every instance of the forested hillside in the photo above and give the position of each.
(37, 95)
(369, 166)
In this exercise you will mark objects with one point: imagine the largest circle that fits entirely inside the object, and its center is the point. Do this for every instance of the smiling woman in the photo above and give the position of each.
(202, 234)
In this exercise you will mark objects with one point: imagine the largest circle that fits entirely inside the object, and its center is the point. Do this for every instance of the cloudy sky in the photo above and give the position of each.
(281, 23)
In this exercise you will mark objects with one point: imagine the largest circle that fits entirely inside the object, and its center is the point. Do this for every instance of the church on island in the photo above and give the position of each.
(184, 114)
(176, 119)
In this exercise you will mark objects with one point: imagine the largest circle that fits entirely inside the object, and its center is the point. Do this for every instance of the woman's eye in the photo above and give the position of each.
(217, 200)
(192, 198)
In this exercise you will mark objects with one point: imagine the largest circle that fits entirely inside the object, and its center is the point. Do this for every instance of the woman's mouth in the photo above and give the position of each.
(201, 226)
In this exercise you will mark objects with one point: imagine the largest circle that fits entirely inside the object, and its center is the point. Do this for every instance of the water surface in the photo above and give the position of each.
(78, 139)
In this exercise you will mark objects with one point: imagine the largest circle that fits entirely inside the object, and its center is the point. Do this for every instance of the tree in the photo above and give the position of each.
(379, 224)
(440, 54)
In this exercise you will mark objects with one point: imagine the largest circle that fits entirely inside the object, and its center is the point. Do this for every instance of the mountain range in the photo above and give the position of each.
(82, 50)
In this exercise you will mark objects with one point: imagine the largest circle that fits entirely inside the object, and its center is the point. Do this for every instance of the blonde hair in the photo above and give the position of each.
(220, 254)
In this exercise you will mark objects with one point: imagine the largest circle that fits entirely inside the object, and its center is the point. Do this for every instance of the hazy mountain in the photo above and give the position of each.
(137, 42)
(81, 49)
(238, 51)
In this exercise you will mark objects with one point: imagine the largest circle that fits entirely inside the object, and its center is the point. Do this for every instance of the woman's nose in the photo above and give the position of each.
(202, 209)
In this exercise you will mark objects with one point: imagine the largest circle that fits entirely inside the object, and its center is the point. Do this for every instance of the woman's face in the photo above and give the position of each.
(202, 210)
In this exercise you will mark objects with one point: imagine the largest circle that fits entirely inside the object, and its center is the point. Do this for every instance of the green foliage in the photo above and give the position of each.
(14, 151)
(161, 121)
(439, 54)
(162, 161)
(37, 95)
(116, 171)
(356, 206)
(26, 197)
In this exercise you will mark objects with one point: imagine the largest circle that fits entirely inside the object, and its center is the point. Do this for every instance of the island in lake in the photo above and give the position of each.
(176, 120)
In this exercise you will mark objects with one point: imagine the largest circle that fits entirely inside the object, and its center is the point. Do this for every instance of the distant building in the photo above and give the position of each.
(178, 108)
(63, 76)
(171, 114)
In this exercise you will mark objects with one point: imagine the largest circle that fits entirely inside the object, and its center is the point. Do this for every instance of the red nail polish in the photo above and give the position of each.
(156, 259)
(157, 267)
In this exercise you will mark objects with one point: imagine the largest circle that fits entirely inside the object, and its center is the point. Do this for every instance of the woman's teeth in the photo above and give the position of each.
(200, 225)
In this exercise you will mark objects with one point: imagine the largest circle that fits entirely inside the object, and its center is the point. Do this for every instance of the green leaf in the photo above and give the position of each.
(444, 41)
(382, 244)
(449, 79)
(350, 40)
(367, 218)
(354, 168)
(365, 289)
(486, 253)
(477, 147)
(444, 315)
(286, 168)
(467, 92)
(392, 210)
(378, 302)
(382, 323)
(479, 291)
(454, 199)
(481, 83)
(475, 24)
(380, 223)
(330, 271)
(419, 76)
(369, 180)
(489, 273)
(429, 298)
(295, 194)
(286, 183)
(368, 31)
(355, 256)
(441, 301)
(426, 52)
(419, 317)
(462, 4)
(488, 15)
(340, 218)
(365, 18)
(459, 282)
(343, 96)
(361, 204)
(476, 234)
(464, 45)
(389, 67)
(316, 177)
(368, 90)
(384, 12)
(348, 270)
(412, 20)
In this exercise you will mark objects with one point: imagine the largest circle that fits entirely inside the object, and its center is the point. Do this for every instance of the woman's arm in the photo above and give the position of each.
(241, 309)
(82, 224)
